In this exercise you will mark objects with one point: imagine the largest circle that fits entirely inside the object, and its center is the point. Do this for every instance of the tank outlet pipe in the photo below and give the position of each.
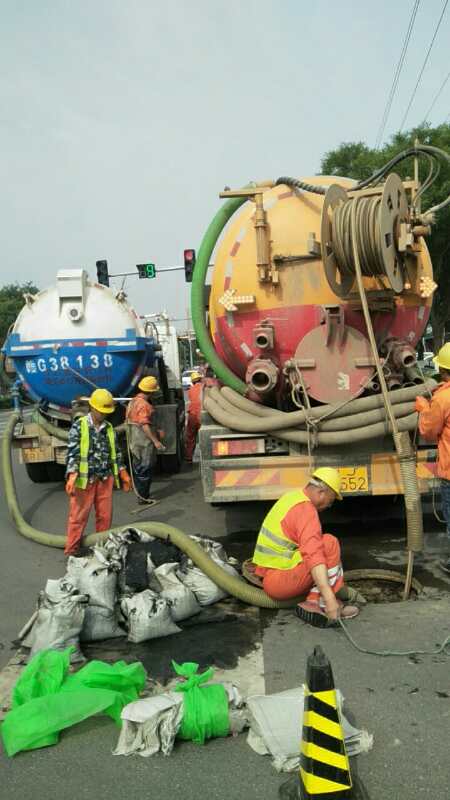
(262, 375)
(403, 355)
(413, 375)
(394, 381)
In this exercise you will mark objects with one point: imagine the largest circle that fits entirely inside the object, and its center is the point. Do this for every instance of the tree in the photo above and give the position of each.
(11, 301)
(357, 160)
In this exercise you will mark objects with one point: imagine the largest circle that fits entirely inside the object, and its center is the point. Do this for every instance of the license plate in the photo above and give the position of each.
(354, 479)
(37, 454)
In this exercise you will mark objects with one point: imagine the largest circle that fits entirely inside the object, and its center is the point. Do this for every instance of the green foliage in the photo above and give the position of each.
(356, 160)
(11, 302)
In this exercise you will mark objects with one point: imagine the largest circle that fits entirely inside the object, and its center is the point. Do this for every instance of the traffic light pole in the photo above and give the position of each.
(128, 274)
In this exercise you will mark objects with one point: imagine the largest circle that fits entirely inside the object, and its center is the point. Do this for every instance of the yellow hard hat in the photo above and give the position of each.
(442, 359)
(148, 384)
(195, 376)
(102, 401)
(331, 477)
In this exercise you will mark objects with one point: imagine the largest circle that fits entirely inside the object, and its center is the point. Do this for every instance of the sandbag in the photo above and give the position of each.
(95, 577)
(100, 623)
(150, 725)
(183, 601)
(61, 611)
(205, 590)
(148, 616)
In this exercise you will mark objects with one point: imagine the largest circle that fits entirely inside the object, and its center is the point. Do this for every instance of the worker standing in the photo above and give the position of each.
(94, 467)
(434, 423)
(295, 558)
(143, 440)
(193, 416)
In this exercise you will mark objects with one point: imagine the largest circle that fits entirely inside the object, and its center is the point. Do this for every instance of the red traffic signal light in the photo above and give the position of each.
(189, 264)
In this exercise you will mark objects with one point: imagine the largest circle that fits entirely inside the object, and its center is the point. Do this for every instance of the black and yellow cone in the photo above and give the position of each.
(324, 765)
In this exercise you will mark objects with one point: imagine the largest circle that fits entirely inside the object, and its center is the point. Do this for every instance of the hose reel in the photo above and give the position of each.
(379, 216)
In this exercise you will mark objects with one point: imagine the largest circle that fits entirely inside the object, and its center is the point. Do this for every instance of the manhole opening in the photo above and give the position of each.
(379, 591)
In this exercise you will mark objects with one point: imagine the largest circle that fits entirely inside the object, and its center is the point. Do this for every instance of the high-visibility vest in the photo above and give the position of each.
(273, 548)
(83, 469)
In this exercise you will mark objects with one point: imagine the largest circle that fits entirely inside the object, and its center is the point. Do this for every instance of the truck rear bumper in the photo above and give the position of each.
(231, 478)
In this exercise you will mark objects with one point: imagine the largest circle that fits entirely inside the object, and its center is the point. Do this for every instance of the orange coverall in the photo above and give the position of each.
(193, 420)
(302, 525)
(434, 423)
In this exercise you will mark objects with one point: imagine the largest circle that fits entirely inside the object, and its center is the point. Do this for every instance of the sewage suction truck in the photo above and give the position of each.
(71, 338)
(321, 289)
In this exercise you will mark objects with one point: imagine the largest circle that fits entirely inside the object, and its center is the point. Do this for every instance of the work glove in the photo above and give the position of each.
(421, 404)
(70, 483)
(126, 480)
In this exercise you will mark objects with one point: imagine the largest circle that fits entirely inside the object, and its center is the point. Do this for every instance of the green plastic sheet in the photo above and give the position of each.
(205, 708)
(46, 699)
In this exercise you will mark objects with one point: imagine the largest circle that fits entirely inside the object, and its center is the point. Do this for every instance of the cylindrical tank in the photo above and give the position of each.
(76, 336)
(273, 307)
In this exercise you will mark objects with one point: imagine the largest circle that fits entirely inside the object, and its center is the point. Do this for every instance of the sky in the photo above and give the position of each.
(120, 122)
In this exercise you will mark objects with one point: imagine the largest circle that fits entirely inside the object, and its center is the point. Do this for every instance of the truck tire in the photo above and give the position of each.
(37, 472)
(56, 472)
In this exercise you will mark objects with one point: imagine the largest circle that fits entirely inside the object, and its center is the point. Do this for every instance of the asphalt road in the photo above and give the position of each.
(404, 702)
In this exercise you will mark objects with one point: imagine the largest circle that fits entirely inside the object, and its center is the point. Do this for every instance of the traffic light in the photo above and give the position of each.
(146, 270)
(102, 272)
(189, 264)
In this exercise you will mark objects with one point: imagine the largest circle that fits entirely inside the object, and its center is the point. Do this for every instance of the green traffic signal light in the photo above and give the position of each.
(146, 270)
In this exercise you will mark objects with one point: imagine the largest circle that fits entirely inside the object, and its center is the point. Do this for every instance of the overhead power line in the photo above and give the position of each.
(405, 116)
(396, 78)
(437, 96)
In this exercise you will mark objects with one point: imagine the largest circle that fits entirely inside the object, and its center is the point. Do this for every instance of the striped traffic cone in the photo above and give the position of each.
(324, 767)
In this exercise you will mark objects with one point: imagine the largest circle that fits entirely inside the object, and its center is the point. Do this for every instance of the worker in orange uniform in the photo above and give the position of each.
(94, 466)
(434, 423)
(293, 557)
(194, 414)
(142, 439)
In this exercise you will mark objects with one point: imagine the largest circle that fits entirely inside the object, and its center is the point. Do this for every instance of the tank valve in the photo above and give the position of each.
(262, 375)
(264, 336)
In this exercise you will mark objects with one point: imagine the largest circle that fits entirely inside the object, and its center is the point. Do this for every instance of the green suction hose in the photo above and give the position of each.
(234, 586)
(198, 295)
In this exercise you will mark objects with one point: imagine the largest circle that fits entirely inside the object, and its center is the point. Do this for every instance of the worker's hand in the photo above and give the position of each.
(70, 483)
(421, 404)
(332, 607)
(159, 445)
(126, 480)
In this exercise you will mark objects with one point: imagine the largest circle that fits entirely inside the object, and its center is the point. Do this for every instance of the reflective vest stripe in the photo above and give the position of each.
(273, 548)
(83, 467)
(259, 548)
(278, 539)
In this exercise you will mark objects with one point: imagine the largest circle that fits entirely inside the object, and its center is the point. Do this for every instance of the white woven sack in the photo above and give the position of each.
(148, 616)
(100, 623)
(183, 601)
(95, 578)
(59, 621)
(206, 591)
